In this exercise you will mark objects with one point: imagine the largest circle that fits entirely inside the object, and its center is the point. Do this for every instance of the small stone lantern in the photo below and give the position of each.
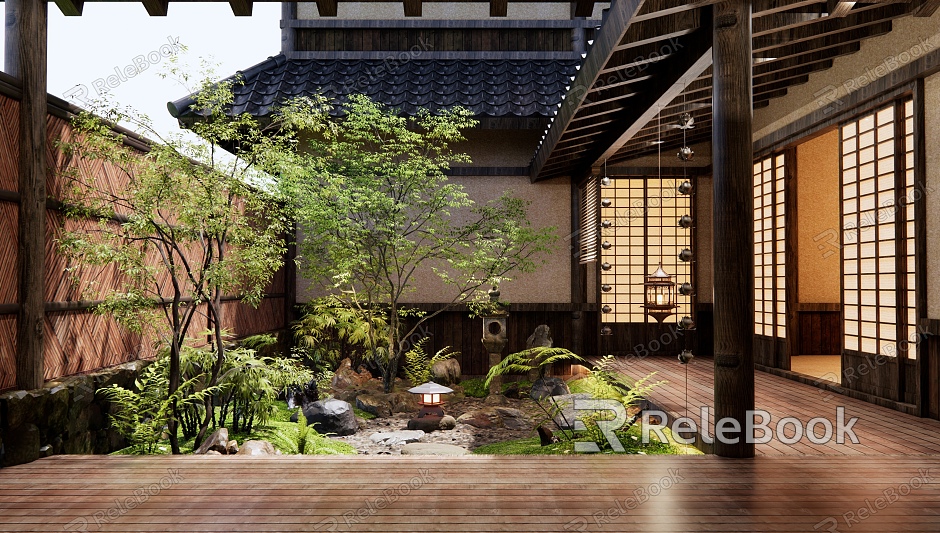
(430, 399)
(495, 337)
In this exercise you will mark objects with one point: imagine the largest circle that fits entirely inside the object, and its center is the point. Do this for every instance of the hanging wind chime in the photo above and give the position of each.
(685, 155)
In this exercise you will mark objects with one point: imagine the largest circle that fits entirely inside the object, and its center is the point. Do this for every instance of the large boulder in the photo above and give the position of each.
(548, 386)
(330, 416)
(374, 404)
(446, 372)
(217, 441)
(256, 447)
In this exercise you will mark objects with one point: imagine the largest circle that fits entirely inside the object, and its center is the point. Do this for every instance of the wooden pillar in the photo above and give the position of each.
(733, 233)
(29, 64)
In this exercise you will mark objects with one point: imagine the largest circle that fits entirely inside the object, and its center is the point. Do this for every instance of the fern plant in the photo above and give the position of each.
(606, 383)
(330, 331)
(418, 364)
(540, 359)
(302, 438)
(142, 416)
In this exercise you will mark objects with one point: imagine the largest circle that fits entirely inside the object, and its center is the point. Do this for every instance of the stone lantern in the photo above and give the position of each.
(495, 336)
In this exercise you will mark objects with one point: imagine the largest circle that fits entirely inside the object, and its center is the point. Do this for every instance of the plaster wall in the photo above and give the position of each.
(909, 39)
(446, 11)
(818, 199)
(932, 105)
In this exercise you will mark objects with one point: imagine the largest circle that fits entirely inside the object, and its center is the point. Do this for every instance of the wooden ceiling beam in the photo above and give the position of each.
(839, 8)
(156, 8)
(499, 8)
(619, 18)
(70, 8)
(241, 8)
(674, 76)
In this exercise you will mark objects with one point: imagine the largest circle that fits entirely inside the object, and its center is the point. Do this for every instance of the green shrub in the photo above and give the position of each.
(475, 387)
(418, 364)
(301, 438)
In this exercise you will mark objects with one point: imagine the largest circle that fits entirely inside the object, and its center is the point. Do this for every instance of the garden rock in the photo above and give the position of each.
(540, 338)
(402, 402)
(429, 448)
(330, 416)
(546, 436)
(548, 386)
(374, 404)
(397, 437)
(212, 452)
(217, 441)
(346, 378)
(496, 417)
(256, 447)
(446, 372)
(21, 445)
(299, 397)
(447, 423)
(566, 413)
(231, 447)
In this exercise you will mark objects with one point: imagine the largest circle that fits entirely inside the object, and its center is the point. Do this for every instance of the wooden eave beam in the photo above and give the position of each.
(412, 8)
(327, 8)
(241, 8)
(70, 8)
(926, 8)
(618, 22)
(583, 8)
(499, 8)
(156, 8)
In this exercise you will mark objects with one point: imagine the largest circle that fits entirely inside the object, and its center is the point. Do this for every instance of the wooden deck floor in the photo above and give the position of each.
(473, 493)
(880, 430)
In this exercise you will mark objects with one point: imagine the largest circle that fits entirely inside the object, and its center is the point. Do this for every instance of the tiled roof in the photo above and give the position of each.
(492, 88)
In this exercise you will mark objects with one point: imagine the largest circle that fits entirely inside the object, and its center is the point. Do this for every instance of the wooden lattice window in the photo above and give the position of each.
(878, 230)
(644, 230)
(769, 248)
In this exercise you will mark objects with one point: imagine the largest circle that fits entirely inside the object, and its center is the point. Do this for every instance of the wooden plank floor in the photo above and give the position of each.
(879, 430)
(473, 493)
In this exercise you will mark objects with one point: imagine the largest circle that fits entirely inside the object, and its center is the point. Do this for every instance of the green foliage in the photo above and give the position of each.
(631, 440)
(250, 386)
(418, 364)
(304, 439)
(324, 380)
(141, 415)
(365, 415)
(258, 342)
(475, 387)
(331, 330)
(181, 223)
(539, 358)
(605, 383)
(376, 207)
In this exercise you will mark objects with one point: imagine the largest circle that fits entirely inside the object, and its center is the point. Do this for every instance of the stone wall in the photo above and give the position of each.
(66, 416)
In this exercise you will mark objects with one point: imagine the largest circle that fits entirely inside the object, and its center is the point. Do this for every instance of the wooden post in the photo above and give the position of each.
(733, 240)
(30, 67)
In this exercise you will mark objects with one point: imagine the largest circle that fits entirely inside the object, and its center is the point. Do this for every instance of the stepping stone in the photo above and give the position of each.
(397, 437)
(431, 448)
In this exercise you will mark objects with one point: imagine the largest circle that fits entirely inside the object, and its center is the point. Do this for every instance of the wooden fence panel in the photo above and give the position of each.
(78, 340)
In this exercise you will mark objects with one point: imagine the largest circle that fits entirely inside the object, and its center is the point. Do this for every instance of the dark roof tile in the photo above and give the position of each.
(496, 88)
